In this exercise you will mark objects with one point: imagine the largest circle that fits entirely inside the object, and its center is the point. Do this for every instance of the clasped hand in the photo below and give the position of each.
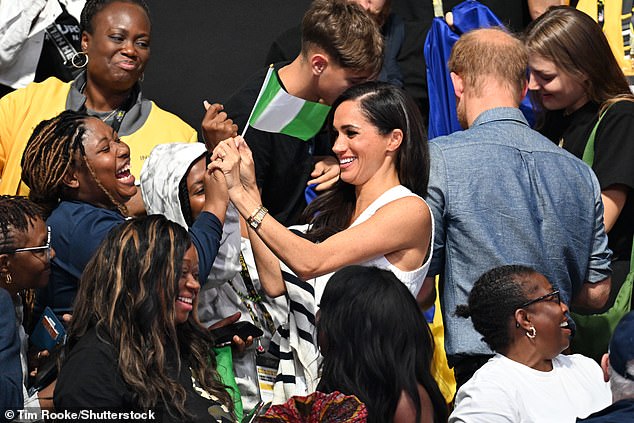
(233, 157)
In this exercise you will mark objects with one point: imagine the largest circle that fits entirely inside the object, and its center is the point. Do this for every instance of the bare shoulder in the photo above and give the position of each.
(406, 411)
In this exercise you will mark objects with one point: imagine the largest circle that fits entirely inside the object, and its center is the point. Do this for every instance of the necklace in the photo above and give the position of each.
(109, 115)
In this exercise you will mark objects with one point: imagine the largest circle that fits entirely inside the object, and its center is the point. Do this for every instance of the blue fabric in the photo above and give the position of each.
(10, 366)
(77, 229)
(619, 412)
(393, 37)
(501, 193)
(468, 15)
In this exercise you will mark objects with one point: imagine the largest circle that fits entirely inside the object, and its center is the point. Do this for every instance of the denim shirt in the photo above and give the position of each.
(501, 193)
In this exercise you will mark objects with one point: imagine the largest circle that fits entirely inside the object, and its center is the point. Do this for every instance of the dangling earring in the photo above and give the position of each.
(79, 60)
(8, 280)
(532, 332)
(142, 77)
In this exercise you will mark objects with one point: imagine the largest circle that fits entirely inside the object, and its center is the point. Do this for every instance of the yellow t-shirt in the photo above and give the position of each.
(22, 110)
(614, 19)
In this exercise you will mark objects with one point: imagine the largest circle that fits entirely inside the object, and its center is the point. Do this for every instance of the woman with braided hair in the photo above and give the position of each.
(115, 49)
(521, 317)
(25, 257)
(79, 170)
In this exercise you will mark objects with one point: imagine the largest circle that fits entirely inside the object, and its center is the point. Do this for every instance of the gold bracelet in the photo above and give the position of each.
(255, 220)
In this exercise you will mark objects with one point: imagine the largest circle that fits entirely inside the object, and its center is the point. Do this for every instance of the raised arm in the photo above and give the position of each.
(383, 234)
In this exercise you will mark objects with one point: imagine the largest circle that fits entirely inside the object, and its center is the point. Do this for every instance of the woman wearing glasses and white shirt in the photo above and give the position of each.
(521, 317)
(25, 255)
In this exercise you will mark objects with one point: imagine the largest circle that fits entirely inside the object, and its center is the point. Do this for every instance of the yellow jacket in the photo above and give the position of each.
(613, 17)
(22, 110)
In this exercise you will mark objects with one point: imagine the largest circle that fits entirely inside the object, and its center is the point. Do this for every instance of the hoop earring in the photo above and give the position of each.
(532, 332)
(8, 280)
(79, 60)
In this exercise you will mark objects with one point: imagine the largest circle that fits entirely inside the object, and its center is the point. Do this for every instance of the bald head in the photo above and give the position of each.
(490, 56)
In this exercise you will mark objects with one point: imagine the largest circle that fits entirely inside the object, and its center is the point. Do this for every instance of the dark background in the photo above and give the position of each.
(206, 49)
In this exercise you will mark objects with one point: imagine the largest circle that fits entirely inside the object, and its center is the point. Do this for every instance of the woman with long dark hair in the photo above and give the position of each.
(134, 342)
(374, 216)
(377, 345)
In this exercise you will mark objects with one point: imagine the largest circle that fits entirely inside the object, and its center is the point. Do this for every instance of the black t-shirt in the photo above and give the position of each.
(282, 163)
(90, 379)
(613, 157)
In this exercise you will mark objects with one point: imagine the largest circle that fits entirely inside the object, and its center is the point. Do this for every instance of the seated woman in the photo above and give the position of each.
(79, 170)
(374, 216)
(115, 49)
(172, 183)
(134, 343)
(383, 360)
(25, 260)
(522, 319)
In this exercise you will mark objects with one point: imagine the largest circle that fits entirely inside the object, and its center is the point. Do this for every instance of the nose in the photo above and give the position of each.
(564, 307)
(532, 82)
(123, 150)
(128, 48)
(192, 283)
(339, 146)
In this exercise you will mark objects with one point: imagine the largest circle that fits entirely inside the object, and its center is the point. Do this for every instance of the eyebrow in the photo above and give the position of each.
(350, 126)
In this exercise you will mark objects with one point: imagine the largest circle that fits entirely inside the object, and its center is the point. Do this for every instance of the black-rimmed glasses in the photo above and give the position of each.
(554, 295)
(41, 249)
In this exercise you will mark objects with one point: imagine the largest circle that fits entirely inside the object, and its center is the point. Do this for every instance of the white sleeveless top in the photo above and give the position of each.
(413, 279)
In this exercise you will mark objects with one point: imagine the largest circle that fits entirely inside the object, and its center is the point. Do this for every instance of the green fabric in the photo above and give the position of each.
(593, 331)
(224, 366)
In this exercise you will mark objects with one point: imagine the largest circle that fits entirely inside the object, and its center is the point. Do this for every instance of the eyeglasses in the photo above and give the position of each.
(42, 249)
(554, 295)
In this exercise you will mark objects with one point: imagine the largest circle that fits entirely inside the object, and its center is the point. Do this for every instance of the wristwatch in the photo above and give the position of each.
(255, 220)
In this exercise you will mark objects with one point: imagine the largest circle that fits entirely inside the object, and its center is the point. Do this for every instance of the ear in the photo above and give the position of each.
(4, 263)
(522, 319)
(458, 84)
(605, 366)
(395, 140)
(85, 39)
(71, 179)
(318, 63)
(524, 90)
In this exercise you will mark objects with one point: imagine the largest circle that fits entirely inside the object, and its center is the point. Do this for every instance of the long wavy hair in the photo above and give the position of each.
(127, 293)
(370, 353)
(387, 108)
(575, 43)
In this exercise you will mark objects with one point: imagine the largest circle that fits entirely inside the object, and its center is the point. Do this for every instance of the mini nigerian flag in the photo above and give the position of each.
(277, 111)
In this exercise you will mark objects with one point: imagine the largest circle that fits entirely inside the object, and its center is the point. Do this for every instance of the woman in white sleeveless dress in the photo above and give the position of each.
(375, 215)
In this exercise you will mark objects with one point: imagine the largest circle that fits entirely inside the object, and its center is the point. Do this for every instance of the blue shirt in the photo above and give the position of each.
(10, 366)
(77, 229)
(500, 194)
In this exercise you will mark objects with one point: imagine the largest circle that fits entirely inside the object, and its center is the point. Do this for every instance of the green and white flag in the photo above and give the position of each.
(277, 111)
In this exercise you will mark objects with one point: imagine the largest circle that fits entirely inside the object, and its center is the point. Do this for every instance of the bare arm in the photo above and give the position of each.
(592, 297)
(427, 294)
(614, 198)
(360, 243)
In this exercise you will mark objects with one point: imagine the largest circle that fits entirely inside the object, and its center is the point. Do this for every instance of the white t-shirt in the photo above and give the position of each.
(504, 390)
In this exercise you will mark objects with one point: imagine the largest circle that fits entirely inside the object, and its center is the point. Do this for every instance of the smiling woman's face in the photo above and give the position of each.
(109, 158)
(119, 47)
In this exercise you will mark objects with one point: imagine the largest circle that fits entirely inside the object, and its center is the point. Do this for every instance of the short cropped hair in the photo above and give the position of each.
(346, 32)
(490, 52)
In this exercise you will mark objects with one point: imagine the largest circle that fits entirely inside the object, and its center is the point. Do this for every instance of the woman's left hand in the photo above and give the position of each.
(226, 158)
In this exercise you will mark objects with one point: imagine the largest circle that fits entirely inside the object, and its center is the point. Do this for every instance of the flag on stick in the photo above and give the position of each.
(277, 111)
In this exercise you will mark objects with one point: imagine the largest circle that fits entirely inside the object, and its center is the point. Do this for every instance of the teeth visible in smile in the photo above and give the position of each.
(186, 300)
(346, 161)
(564, 324)
(124, 172)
